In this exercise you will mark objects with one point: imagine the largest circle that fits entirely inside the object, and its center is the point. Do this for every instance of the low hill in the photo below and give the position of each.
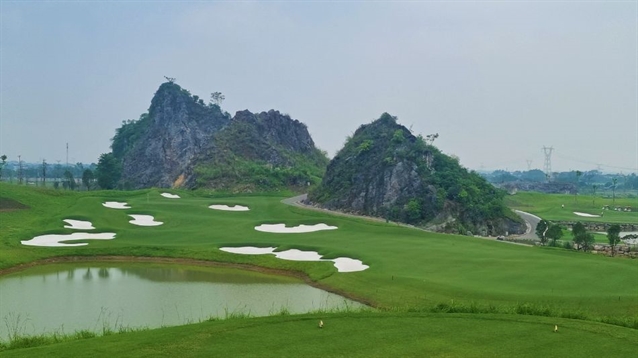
(385, 171)
(183, 142)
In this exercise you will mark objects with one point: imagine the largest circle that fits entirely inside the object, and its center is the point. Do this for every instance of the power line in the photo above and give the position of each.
(598, 165)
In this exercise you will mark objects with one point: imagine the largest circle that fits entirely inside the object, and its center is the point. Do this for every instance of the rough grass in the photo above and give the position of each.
(410, 271)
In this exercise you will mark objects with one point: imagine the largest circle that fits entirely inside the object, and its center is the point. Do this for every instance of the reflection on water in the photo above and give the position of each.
(64, 298)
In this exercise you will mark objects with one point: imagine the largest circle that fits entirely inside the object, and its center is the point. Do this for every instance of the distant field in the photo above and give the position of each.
(549, 207)
(410, 271)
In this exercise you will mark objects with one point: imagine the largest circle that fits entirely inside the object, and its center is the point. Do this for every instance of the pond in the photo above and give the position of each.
(64, 298)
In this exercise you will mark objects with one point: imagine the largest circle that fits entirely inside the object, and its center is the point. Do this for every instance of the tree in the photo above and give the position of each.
(555, 232)
(582, 238)
(613, 188)
(578, 174)
(87, 178)
(431, 137)
(4, 161)
(44, 172)
(613, 235)
(541, 231)
(69, 181)
(108, 171)
(594, 187)
(217, 98)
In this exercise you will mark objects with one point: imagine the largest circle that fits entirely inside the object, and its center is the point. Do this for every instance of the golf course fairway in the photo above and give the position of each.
(431, 294)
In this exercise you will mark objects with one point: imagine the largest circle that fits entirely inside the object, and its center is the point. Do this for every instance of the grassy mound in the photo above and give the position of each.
(10, 205)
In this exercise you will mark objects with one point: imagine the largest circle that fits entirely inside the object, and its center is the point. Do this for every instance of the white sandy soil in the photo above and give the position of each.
(282, 229)
(170, 196)
(229, 208)
(346, 264)
(116, 205)
(343, 264)
(298, 255)
(249, 250)
(78, 224)
(55, 240)
(144, 220)
(586, 215)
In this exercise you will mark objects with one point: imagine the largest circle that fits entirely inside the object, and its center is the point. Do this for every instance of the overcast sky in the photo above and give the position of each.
(497, 80)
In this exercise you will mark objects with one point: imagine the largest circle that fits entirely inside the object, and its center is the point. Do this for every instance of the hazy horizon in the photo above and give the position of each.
(496, 80)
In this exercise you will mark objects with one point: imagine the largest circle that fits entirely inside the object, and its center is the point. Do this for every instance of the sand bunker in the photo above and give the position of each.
(229, 208)
(346, 264)
(586, 215)
(343, 264)
(78, 224)
(170, 196)
(55, 240)
(144, 220)
(116, 205)
(630, 241)
(249, 250)
(282, 229)
(298, 255)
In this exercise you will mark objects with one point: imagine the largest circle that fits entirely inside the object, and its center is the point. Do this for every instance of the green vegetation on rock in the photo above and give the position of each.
(385, 171)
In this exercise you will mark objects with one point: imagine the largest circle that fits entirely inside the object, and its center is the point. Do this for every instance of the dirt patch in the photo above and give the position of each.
(11, 205)
(185, 261)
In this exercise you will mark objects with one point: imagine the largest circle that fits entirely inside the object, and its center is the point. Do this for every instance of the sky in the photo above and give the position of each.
(497, 80)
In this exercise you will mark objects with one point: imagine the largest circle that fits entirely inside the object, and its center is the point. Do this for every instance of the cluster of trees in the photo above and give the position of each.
(581, 179)
(583, 239)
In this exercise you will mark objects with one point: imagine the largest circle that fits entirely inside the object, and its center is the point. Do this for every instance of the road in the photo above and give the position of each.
(530, 219)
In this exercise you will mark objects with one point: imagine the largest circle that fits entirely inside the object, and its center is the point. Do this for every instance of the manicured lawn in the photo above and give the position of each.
(361, 335)
(410, 271)
(549, 207)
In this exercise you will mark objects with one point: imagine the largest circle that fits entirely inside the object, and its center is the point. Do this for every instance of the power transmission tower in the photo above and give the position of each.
(529, 164)
(548, 161)
(67, 156)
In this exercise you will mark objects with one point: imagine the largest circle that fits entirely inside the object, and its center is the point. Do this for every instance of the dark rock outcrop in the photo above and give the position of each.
(182, 142)
(179, 128)
(385, 171)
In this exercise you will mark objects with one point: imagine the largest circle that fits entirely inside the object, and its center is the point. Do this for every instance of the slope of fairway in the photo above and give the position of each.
(361, 335)
(410, 271)
(550, 207)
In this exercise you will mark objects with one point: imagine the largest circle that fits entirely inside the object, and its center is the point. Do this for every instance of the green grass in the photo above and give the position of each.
(361, 335)
(548, 207)
(410, 271)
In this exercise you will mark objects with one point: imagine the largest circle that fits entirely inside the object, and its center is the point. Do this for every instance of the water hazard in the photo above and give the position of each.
(64, 298)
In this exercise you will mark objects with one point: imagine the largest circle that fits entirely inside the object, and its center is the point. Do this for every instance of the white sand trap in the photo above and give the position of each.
(630, 241)
(144, 220)
(78, 224)
(343, 264)
(298, 255)
(55, 240)
(116, 205)
(586, 215)
(229, 208)
(282, 229)
(346, 264)
(249, 250)
(170, 196)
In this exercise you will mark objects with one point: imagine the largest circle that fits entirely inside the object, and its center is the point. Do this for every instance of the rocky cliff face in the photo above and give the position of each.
(178, 128)
(260, 151)
(182, 142)
(385, 171)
